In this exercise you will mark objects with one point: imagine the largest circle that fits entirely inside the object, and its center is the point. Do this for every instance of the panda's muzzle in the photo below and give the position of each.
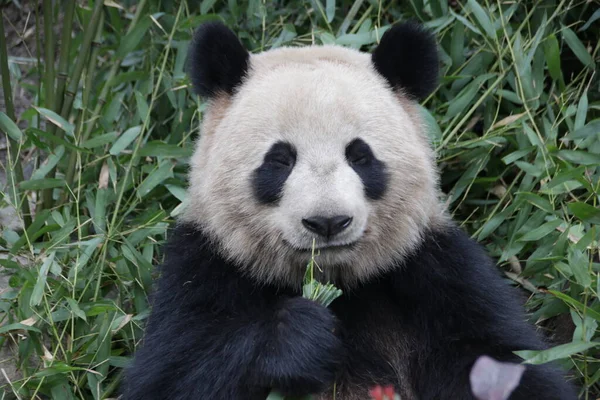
(327, 227)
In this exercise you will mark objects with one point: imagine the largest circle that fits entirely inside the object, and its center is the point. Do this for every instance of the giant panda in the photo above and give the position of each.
(323, 145)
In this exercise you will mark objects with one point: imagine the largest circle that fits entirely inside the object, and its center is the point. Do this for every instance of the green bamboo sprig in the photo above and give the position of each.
(69, 94)
(314, 290)
(14, 170)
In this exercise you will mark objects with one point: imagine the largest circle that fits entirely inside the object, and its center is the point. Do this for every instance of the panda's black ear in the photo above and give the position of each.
(407, 57)
(217, 60)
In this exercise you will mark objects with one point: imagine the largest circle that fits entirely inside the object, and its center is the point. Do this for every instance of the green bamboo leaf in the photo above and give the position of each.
(49, 164)
(582, 110)
(274, 395)
(586, 310)
(100, 140)
(99, 215)
(531, 169)
(578, 48)
(579, 263)
(466, 23)
(538, 201)
(585, 212)
(84, 257)
(155, 178)
(61, 390)
(330, 10)
(40, 184)
(595, 16)
(482, 18)
(439, 8)
(555, 353)
(142, 106)
(579, 157)
(206, 6)
(37, 135)
(552, 54)
(457, 45)
(541, 231)
(17, 326)
(516, 155)
(161, 149)
(74, 306)
(55, 369)
(125, 140)
(56, 120)
(133, 38)
(564, 176)
(465, 97)
(493, 223)
(178, 192)
(40, 283)
(592, 128)
(418, 7)
(104, 343)
(10, 128)
(36, 226)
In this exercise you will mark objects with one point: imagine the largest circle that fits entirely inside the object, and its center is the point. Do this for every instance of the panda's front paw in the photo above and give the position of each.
(305, 354)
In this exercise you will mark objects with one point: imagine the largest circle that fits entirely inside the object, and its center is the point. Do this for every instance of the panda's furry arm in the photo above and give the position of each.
(214, 334)
(462, 308)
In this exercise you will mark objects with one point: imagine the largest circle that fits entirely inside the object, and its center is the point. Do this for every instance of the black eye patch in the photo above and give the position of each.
(269, 178)
(371, 171)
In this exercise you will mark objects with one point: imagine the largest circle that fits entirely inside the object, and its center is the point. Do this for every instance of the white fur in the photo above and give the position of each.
(318, 99)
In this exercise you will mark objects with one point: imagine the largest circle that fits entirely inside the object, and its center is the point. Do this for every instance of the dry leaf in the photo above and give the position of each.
(103, 179)
(507, 120)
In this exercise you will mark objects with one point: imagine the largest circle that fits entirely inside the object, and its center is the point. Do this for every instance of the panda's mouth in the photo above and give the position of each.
(324, 247)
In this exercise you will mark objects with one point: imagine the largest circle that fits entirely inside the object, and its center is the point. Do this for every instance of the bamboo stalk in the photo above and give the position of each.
(38, 55)
(14, 169)
(111, 75)
(49, 94)
(86, 43)
(69, 94)
(90, 74)
(63, 62)
(101, 99)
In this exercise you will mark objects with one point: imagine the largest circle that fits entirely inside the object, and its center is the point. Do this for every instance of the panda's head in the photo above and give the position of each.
(319, 143)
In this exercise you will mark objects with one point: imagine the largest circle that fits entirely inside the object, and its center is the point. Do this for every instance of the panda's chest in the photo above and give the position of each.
(379, 345)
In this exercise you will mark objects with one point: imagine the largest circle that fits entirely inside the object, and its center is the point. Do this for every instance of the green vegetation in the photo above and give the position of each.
(514, 120)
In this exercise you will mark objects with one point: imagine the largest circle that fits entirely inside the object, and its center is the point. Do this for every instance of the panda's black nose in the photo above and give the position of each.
(326, 226)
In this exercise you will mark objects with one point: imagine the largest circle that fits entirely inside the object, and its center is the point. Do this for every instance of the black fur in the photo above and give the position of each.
(214, 334)
(371, 171)
(217, 62)
(269, 178)
(407, 57)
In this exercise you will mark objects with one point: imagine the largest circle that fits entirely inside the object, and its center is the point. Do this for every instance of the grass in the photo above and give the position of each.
(514, 121)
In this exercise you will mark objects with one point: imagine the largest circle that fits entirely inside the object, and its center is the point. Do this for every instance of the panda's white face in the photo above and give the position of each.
(313, 147)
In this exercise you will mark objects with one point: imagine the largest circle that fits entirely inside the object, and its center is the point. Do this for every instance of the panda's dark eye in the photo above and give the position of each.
(281, 156)
(362, 160)
(280, 161)
(358, 153)
(269, 178)
(371, 170)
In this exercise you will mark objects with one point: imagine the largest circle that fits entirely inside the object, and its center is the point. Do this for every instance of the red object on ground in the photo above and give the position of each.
(382, 393)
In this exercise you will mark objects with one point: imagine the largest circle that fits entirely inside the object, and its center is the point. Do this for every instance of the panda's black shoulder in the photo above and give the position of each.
(195, 275)
(454, 285)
